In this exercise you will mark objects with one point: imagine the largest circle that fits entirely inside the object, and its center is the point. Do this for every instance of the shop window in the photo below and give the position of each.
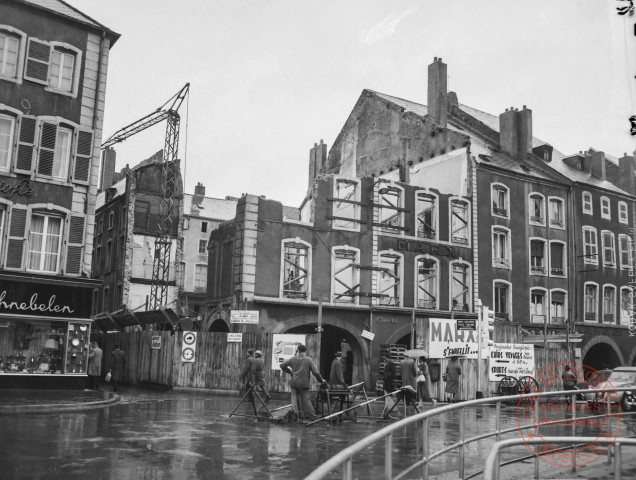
(537, 257)
(346, 211)
(459, 222)
(500, 206)
(626, 249)
(200, 277)
(609, 304)
(390, 208)
(346, 278)
(587, 203)
(460, 287)
(45, 235)
(538, 310)
(203, 247)
(557, 213)
(627, 308)
(502, 300)
(426, 207)
(590, 246)
(557, 259)
(501, 257)
(622, 212)
(558, 306)
(591, 302)
(606, 212)
(296, 264)
(427, 283)
(7, 131)
(609, 249)
(389, 278)
(536, 208)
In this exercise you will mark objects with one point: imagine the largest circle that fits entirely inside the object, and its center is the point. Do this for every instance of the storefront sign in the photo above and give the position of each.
(446, 340)
(155, 342)
(430, 248)
(45, 299)
(466, 324)
(386, 319)
(23, 187)
(244, 316)
(368, 335)
(234, 338)
(511, 360)
(285, 345)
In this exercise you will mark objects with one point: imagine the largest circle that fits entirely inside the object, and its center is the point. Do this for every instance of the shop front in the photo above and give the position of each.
(45, 328)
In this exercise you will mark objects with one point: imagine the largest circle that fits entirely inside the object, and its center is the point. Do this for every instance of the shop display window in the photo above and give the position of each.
(43, 347)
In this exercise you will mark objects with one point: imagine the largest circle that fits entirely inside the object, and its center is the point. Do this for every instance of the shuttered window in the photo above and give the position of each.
(16, 239)
(26, 145)
(37, 61)
(75, 244)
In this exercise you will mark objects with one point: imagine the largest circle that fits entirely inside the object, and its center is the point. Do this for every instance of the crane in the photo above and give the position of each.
(169, 171)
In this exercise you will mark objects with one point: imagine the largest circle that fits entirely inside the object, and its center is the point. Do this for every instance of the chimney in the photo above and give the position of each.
(626, 179)
(437, 88)
(598, 165)
(317, 161)
(524, 124)
(515, 132)
(109, 158)
(199, 193)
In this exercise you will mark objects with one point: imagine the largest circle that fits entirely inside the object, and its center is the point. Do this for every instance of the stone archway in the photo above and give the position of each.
(213, 317)
(602, 352)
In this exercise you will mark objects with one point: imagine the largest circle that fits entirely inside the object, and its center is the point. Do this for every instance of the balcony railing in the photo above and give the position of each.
(501, 262)
(422, 233)
(609, 318)
(500, 211)
(560, 320)
(556, 271)
(427, 304)
(461, 307)
(536, 219)
(392, 301)
(558, 223)
(590, 316)
(502, 316)
(537, 269)
(460, 240)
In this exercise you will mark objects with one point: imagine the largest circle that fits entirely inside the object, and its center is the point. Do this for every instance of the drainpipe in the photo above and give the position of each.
(572, 277)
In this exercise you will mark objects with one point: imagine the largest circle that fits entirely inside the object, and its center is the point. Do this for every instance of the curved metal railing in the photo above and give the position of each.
(344, 459)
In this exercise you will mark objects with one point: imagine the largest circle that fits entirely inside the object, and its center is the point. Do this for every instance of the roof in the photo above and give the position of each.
(63, 9)
(213, 208)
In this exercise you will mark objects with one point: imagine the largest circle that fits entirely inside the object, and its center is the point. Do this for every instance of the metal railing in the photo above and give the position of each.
(492, 467)
(344, 459)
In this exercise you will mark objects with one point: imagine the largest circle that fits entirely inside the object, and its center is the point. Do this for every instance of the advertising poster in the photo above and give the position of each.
(284, 347)
(511, 360)
(446, 340)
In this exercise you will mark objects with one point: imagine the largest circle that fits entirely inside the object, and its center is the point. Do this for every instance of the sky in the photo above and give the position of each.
(270, 78)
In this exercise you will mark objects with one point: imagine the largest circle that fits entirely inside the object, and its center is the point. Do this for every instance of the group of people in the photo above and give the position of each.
(253, 372)
(117, 366)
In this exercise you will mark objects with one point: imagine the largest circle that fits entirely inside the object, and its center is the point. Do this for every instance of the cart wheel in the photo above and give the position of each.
(507, 386)
(527, 385)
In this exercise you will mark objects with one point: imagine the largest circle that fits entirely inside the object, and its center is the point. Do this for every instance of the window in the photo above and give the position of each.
(557, 217)
(45, 238)
(499, 195)
(100, 226)
(538, 309)
(182, 273)
(55, 151)
(627, 308)
(296, 262)
(622, 212)
(501, 247)
(97, 260)
(390, 208)
(587, 203)
(426, 207)
(389, 278)
(141, 214)
(537, 209)
(537, 257)
(558, 306)
(111, 220)
(609, 249)
(62, 157)
(109, 255)
(123, 218)
(9, 55)
(427, 283)
(459, 221)
(105, 300)
(203, 247)
(460, 287)
(591, 300)
(626, 249)
(605, 208)
(204, 227)
(590, 246)
(502, 300)
(346, 211)
(200, 277)
(557, 258)
(7, 125)
(62, 70)
(346, 283)
(609, 304)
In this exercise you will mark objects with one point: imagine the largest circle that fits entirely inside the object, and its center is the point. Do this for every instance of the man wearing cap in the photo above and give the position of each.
(301, 367)
(259, 375)
(336, 376)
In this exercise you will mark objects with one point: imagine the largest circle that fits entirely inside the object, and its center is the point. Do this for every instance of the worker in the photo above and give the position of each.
(301, 367)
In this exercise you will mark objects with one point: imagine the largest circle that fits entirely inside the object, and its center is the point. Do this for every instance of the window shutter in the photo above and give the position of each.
(48, 135)
(75, 245)
(17, 237)
(37, 61)
(83, 150)
(26, 145)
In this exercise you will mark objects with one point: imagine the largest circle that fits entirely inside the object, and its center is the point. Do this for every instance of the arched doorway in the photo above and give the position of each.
(601, 356)
(219, 325)
(335, 339)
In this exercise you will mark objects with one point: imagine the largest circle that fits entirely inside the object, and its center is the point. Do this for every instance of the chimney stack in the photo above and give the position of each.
(598, 165)
(524, 119)
(317, 161)
(515, 132)
(437, 92)
(199, 193)
(109, 158)
(626, 179)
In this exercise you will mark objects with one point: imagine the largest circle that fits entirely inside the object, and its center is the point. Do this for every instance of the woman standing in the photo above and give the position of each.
(452, 379)
(423, 379)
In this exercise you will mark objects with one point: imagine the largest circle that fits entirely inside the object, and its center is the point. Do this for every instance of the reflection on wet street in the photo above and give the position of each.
(166, 435)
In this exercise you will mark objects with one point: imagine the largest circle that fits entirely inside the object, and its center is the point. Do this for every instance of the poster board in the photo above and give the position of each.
(284, 347)
(511, 360)
(445, 340)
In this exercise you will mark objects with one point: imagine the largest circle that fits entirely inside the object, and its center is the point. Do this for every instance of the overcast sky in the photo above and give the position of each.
(269, 78)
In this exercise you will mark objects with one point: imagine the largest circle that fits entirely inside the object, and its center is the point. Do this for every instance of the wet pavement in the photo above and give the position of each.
(171, 435)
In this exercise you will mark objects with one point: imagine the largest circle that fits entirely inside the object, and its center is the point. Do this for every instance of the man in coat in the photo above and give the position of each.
(336, 375)
(409, 379)
(301, 367)
(94, 366)
(118, 364)
(259, 374)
